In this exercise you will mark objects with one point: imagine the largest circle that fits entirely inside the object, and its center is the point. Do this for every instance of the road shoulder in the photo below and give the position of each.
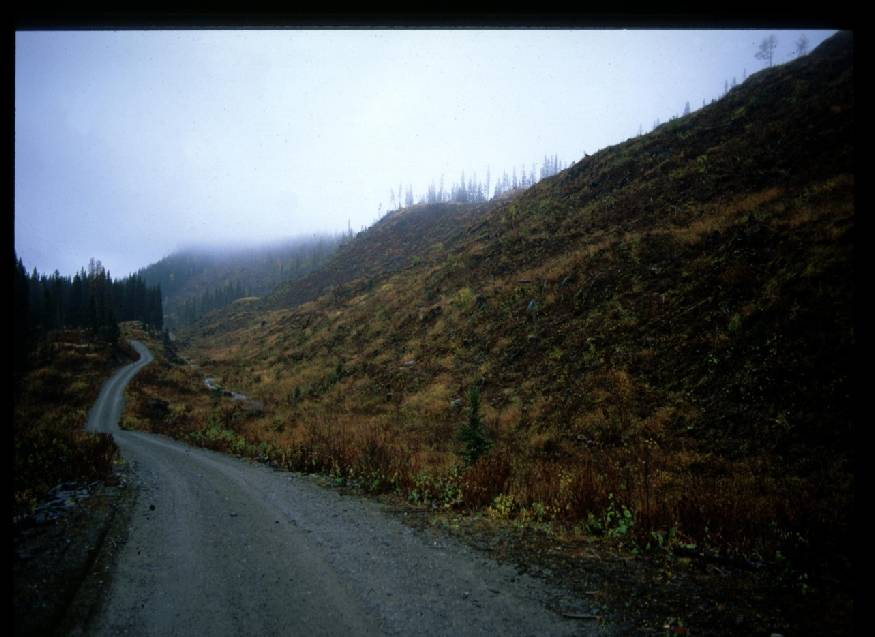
(63, 566)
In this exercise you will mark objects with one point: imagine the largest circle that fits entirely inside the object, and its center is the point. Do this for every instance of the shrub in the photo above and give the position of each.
(473, 433)
(486, 478)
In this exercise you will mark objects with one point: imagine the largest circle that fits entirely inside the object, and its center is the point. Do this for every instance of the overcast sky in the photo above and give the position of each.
(129, 144)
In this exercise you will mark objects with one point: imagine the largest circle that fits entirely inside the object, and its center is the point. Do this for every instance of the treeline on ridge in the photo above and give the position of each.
(472, 190)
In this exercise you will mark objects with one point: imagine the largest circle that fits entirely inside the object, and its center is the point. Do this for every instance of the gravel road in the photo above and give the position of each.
(223, 546)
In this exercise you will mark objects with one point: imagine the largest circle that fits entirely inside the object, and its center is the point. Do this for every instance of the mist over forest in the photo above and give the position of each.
(239, 128)
(199, 279)
(619, 355)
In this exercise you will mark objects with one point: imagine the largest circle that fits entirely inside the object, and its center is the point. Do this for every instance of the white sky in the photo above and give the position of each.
(131, 143)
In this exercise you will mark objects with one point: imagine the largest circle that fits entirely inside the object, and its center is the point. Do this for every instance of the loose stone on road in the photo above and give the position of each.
(219, 545)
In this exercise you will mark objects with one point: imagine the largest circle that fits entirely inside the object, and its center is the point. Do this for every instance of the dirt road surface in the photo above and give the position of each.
(219, 545)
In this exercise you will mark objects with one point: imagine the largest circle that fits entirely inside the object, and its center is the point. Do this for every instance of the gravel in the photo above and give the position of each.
(221, 545)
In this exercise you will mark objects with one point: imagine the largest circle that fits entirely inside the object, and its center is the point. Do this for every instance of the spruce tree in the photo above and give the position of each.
(23, 318)
(473, 435)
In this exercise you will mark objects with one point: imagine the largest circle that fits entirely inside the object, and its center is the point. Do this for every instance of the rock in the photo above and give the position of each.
(60, 488)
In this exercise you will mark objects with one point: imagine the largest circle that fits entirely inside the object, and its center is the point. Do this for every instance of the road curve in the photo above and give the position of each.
(104, 415)
(223, 546)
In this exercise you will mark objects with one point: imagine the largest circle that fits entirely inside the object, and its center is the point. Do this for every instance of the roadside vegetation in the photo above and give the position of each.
(66, 345)
(652, 350)
(66, 371)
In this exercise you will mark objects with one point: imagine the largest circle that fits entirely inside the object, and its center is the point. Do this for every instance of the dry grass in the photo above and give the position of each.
(636, 339)
(718, 217)
(50, 443)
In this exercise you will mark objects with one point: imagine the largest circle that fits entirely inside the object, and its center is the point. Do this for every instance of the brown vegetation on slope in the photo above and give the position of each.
(662, 336)
(66, 372)
(66, 481)
(403, 238)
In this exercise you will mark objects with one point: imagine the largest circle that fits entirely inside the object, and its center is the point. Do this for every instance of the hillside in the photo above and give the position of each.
(403, 238)
(662, 336)
(66, 481)
(197, 280)
(67, 368)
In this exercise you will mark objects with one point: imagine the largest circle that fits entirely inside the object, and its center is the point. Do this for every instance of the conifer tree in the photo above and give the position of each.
(23, 318)
(473, 435)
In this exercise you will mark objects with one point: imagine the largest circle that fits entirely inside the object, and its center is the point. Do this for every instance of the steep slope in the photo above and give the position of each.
(401, 239)
(662, 336)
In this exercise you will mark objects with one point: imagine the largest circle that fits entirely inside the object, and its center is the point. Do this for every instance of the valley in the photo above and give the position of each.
(617, 401)
(660, 336)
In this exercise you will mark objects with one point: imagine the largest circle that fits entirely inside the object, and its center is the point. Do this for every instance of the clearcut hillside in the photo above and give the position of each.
(662, 334)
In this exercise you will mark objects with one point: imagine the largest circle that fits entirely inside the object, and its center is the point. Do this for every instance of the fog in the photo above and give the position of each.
(131, 144)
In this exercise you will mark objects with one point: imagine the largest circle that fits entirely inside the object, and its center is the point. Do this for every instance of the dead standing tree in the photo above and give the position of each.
(767, 49)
